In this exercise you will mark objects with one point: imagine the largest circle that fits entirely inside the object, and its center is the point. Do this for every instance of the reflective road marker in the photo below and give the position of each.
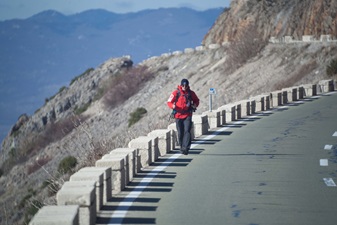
(327, 147)
(323, 162)
(329, 182)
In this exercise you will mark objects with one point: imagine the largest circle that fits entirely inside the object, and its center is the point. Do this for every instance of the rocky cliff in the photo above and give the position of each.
(275, 18)
(93, 128)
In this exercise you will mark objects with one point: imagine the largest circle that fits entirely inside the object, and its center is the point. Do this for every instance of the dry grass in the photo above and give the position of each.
(247, 46)
(126, 85)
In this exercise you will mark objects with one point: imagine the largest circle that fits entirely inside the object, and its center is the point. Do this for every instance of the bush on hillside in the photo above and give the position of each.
(136, 116)
(331, 69)
(32, 209)
(67, 164)
(125, 85)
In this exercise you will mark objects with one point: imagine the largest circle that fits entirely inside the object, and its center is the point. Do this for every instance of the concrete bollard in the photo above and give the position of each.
(267, 101)
(301, 92)
(309, 90)
(294, 94)
(130, 161)
(222, 116)
(245, 108)
(106, 179)
(276, 99)
(56, 215)
(174, 136)
(144, 157)
(259, 103)
(284, 96)
(200, 123)
(213, 118)
(325, 86)
(164, 140)
(252, 106)
(230, 112)
(84, 197)
(238, 110)
(154, 148)
(96, 176)
(117, 165)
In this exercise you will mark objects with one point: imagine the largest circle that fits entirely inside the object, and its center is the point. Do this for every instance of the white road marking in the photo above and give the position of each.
(329, 182)
(120, 212)
(328, 147)
(323, 162)
(335, 134)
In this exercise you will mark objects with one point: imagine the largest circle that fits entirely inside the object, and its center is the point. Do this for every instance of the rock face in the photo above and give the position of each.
(275, 18)
(276, 66)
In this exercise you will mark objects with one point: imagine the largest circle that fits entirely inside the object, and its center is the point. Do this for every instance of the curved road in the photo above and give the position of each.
(278, 167)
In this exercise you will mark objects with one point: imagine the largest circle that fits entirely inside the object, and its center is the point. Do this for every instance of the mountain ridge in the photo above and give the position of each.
(43, 53)
(97, 128)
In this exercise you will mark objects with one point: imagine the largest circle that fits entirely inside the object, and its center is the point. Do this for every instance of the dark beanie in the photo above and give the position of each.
(184, 82)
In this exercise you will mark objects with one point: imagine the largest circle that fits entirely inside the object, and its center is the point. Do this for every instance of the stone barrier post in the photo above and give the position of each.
(238, 110)
(285, 99)
(174, 136)
(106, 180)
(276, 99)
(259, 103)
(326, 86)
(309, 90)
(245, 108)
(213, 118)
(117, 165)
(84, 197)
(267, 101)
(86, 174)
(295, 91)
(230, 112)
(252, 106)
(301, 92)
(154, 148)
(56, 215)
(130, 161)
(144, 145)
(222, 116)
(164, 140)
(200, 124)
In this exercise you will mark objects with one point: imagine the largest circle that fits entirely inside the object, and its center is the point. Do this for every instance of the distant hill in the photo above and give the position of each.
(41, 54)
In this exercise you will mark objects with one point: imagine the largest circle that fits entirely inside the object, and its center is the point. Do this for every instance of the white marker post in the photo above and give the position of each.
(212, 91)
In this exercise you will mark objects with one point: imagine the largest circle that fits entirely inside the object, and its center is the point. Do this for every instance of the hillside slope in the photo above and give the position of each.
(100, 127)
(277, 66)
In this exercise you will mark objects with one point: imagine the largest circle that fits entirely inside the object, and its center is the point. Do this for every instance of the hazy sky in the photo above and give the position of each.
(10, 9)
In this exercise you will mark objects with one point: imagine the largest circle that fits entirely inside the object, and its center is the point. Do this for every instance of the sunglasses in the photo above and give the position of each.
(184, 85)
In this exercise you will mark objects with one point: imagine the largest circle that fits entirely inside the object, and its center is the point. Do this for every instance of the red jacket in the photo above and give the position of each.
(183, 103)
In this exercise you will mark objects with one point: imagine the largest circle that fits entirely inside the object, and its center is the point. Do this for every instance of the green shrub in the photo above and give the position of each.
(32, 210)
(331, 69)
(30, 194)
(136, 116)
(82, 109)
(67, 164)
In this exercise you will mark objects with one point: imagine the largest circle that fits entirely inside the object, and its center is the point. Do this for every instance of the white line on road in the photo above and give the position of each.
(335, 134)
(328, 147)
(120, 212)
(329, 182)
(323, 162)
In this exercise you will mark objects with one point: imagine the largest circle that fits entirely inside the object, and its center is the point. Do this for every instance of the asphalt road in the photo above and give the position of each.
(278, 167)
